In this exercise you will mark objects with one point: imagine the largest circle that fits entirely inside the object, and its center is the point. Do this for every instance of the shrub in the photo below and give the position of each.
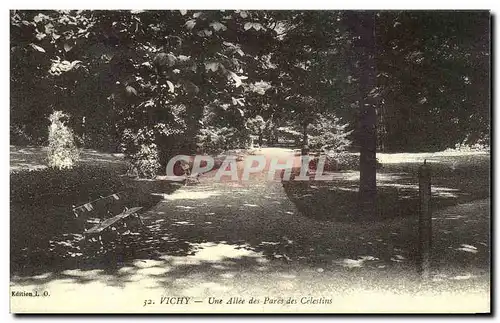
(146, 161)
(479, 146)
(344, 161)
(256, 126)
(214, 140)
(142, 152)
(327, 134)
(63, 152)
(341, 162)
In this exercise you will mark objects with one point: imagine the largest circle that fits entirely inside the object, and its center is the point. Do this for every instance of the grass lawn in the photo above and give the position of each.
(456, 178)
(42, 224)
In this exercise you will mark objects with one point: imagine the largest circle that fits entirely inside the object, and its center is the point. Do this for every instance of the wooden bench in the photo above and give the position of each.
(107, 212)
(100, 227)
(98, 205)
(188, 175)
(192, 178)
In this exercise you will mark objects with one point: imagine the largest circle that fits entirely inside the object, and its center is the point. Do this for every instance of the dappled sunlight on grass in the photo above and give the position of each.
(250, 205)
(182, 223)
(344, 189)
(355, 263)
(184, 207)
(468, 248)
(215, 252)
(390, 177)
(353, 176)
(345, 176)
(35, 158)
(444, 192)
(220, 260)
(191, 195)
(456, 179)
(240, 274)
(408, 190)
(83, 273)
(20, 166)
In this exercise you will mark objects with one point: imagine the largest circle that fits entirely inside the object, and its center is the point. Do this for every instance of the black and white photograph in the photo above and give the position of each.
(250, 161)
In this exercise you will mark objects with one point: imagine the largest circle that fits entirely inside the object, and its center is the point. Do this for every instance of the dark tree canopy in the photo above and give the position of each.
(179, 79)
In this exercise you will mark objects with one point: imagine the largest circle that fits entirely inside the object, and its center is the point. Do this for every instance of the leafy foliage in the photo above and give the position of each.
(142, 152)
(479, 146)
(214, 140)
(146, 161)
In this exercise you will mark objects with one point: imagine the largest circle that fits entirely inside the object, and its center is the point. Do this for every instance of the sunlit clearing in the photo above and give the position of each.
(420, 157)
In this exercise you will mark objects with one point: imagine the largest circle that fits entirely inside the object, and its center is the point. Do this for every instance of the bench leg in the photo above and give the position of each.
(101, 244)
(92, 244)
(140, 219)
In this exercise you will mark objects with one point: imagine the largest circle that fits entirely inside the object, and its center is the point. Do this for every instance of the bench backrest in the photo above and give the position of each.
(103, 207)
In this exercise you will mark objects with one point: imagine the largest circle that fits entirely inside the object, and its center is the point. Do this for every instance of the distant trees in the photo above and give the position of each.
(433, 79)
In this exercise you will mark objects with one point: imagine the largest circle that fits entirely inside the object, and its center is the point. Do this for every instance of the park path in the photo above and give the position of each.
(247, 239)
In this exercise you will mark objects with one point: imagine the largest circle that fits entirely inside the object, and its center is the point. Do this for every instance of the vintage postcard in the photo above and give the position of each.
(250, 161)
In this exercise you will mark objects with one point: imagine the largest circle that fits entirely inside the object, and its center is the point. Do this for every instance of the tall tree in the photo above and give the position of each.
(362, 27)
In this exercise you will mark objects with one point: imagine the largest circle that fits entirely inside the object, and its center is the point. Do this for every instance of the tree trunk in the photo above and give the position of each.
(368, 161)
(305, 141)
(381, 128)
(363, 25)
